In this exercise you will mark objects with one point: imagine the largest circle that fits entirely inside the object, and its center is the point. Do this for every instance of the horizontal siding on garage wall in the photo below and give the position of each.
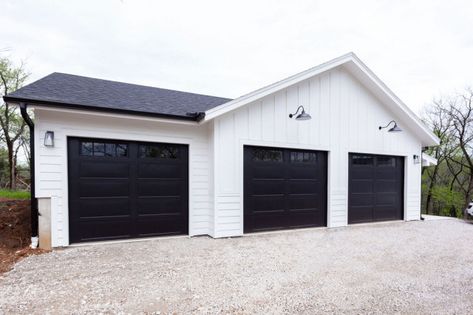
(51, 163)
(345, 118)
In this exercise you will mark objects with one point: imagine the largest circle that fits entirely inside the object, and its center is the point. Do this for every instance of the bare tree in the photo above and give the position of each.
(438, 119)
(12, 126)
(460, 110)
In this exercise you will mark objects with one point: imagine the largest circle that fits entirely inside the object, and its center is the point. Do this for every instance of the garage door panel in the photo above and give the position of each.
(361, 199)
(358, 173)
(103, 230)
(360, 213)
(362, 186)
(293, 193)
(297, 186)
(386, 213)
(120, 189)
(159, 187)
(310, 201)
(375, 188)
(386, 172)
(148, 226)
(266, 171)
(267, 203)
(104, 207)
(301, 219)
(259, 223)
(160, 205)
(386, 198)
(382, 186)
(304, 172)
(268, 187)
(105, 168)
(104, 187)
(155, 170)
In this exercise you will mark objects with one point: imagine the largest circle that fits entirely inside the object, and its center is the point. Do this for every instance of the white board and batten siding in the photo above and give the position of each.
(51, 162)
(345, 119)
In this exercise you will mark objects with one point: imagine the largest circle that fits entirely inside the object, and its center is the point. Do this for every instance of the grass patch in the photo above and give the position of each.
(14, 194)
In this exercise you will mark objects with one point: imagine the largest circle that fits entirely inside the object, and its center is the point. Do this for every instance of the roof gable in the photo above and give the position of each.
(357, 68)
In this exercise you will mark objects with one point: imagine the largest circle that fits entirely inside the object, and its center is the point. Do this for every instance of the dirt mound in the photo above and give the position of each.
(15, 232)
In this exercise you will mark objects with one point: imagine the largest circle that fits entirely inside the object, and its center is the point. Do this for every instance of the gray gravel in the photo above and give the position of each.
(415, 267)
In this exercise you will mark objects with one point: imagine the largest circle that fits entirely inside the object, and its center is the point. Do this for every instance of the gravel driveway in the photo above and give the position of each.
(414, 267)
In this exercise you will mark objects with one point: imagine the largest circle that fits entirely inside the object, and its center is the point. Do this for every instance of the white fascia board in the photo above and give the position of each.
(428, 160)
(113, 115)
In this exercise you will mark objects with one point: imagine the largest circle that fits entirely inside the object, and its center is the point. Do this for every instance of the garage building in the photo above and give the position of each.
(328, 147)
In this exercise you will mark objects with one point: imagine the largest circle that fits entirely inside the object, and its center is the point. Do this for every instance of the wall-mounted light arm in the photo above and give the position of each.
(395, 128)
(302, 116)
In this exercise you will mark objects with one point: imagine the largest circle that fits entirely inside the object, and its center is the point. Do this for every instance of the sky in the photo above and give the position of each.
(420, 49)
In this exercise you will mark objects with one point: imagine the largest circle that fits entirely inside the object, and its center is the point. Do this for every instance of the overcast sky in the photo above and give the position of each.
(420, 49)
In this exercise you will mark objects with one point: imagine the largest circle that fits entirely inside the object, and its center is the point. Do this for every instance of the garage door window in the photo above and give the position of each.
(103, 149)
(362, 160)
(303, 157)
(267, 155)
(165, 151)
(386, 161)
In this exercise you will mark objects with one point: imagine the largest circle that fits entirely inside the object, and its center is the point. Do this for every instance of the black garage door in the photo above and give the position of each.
(375, 188)
(284, 188)
(121, 189)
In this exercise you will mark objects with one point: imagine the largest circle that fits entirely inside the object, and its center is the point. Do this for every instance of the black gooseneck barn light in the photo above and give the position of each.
(302, 116)
(395, 128)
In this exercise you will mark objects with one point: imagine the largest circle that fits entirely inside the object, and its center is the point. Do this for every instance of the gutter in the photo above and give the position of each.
(34, 201)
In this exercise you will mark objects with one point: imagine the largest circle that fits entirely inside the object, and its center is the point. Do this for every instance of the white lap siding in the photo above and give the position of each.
(51, 163)
(345, 118)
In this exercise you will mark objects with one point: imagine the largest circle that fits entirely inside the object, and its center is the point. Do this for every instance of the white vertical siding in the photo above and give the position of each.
(345, 118)
(51, 163)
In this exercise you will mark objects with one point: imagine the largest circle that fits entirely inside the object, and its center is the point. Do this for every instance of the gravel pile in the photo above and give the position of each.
(409, 268)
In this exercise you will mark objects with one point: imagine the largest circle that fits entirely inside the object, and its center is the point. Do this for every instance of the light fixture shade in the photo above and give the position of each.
(395, 128)
(303, 116)
(49, 139)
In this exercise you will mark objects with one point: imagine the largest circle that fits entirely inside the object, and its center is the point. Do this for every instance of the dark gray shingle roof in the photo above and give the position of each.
(74, 91)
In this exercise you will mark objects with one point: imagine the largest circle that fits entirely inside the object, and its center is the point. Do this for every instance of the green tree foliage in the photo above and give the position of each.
(447, 188)
(447, 202)
(12, 126)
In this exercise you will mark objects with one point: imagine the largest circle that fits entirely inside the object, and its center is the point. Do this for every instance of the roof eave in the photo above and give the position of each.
(41, 103)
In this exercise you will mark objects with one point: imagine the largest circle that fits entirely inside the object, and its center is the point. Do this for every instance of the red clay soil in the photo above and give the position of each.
(15, 232)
